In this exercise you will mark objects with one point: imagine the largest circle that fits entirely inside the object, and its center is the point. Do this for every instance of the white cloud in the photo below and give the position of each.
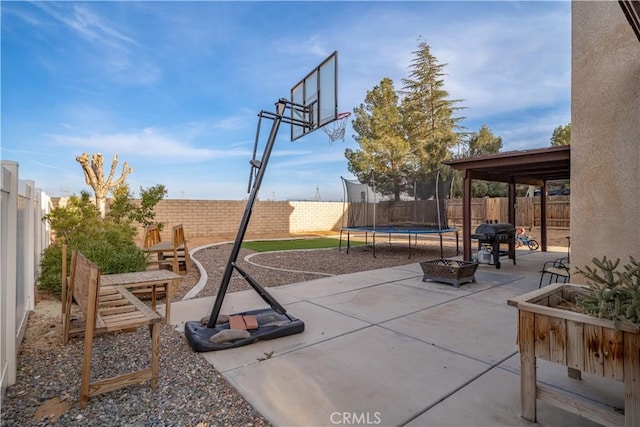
(237, 121)
(88, 25)
(312, 44)
(110, 50)
(503, 65)
(147, 142)
(530, 132)
(311, 158)
(496, 63)
(95, 29)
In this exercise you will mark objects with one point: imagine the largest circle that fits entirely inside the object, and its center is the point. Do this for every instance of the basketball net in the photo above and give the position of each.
(336, 129)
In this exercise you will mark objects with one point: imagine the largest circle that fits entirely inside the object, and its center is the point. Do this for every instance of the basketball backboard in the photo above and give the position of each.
(315, 98)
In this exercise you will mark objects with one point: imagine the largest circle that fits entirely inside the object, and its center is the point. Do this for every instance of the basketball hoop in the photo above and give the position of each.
(335, 130)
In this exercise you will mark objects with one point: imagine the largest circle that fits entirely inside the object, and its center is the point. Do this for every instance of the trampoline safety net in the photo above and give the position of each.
(424, 205)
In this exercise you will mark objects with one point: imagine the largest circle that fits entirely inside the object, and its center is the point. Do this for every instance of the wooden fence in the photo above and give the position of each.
(527, 211)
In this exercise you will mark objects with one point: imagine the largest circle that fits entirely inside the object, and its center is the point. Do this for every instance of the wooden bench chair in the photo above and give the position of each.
(152, 243)
(70, 325)
(173, 254)
(180, 251)
(151, 236)
(108, 309)
(154, 247)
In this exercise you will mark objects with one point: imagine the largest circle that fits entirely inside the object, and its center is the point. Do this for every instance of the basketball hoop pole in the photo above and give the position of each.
(233, 257)
(313, 104)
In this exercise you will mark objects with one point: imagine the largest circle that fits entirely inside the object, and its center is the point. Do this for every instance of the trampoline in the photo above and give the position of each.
(389, 230)
(421, 212)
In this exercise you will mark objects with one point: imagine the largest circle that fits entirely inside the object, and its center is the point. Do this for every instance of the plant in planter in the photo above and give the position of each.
(611, 293)
(593, 328)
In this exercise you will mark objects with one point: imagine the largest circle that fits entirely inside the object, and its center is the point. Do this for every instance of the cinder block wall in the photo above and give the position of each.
(222, 217)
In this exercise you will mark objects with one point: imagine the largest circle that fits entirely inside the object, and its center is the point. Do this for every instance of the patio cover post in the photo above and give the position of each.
(512, 209)
(466, 216)
(543, 216)
(511, 212)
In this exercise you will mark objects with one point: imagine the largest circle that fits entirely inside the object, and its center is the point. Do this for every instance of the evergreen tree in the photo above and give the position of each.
(383, 149)
(483, 143)
(561, 136)
(404, 141)
(428, 113)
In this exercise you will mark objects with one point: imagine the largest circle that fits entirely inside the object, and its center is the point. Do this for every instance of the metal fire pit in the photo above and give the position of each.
(449, 271)
(494, 235)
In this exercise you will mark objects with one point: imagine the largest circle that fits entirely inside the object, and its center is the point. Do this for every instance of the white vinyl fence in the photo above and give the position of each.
(23, 237)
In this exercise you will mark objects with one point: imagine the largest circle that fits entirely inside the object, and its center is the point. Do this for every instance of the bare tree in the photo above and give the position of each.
(94, 177)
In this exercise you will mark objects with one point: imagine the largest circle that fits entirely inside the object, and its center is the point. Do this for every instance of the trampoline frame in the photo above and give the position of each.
(404, 230)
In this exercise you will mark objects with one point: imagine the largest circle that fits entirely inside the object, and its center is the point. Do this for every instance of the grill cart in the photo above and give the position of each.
(494, 236)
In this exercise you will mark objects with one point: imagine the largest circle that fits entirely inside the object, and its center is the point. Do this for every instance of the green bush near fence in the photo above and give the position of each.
(108, 242)
(111, 257)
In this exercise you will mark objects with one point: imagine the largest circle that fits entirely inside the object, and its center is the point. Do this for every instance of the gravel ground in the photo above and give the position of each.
(299, 266)
(190, 392)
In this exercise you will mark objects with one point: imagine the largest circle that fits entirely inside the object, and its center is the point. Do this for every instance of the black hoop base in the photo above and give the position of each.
(271, 325)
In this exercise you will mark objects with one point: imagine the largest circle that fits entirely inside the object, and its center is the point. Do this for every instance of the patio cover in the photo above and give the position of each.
(531, 167)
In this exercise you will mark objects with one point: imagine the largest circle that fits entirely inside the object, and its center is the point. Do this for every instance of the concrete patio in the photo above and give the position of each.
(385, 348)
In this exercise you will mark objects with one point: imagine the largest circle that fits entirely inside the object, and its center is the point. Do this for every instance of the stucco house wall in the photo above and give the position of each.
(605, 135)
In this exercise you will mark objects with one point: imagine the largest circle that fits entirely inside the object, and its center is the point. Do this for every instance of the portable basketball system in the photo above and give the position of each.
(313, 105)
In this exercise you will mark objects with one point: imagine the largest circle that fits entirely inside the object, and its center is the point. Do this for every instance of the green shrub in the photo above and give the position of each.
(122, 209)
(612, 293)
(109, 242)
(120, 256)
(50, 279)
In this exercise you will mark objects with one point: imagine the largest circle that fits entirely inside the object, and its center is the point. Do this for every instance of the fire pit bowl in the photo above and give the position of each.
(449, 271)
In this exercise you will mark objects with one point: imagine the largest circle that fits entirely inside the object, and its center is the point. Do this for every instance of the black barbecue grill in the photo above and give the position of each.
(493, 235)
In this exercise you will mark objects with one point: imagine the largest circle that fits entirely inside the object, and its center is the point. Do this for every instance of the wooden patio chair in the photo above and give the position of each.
(156, 248)
(71, 325)
(151, 236)
(183, 250)
(180, 251)
(108, 309)
(174, 254)
(557, 269)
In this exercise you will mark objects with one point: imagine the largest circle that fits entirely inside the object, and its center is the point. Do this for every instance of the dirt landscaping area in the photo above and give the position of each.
(280, 268)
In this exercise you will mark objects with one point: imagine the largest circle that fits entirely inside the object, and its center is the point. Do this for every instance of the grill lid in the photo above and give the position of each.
(495, 229)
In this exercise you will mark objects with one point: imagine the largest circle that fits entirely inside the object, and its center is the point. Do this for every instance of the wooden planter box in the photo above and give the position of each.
(580, 342)
(449, 271)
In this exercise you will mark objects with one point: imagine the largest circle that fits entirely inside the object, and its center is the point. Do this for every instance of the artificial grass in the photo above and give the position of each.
(294, 244)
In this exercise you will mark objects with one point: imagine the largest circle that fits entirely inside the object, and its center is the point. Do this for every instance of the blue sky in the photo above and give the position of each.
(174, 88)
